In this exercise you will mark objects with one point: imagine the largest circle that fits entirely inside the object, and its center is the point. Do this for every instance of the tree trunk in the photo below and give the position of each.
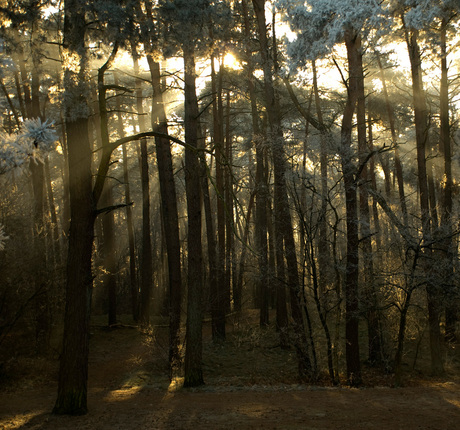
(110, 256)
(134, 288)
(353, 45)
(324, 255)
(193, 342)
(238, 291)
(54, 228)
(421, 135)
(42, 300)
(146, 255)
(283, 222)
(108, 222)
(212, 255)
(169, 214)
(229, 212)
(129, 216)
(370, 293)
(73, 370)
(146, 252)
(262, 285)
(446, 198)
(218, 293)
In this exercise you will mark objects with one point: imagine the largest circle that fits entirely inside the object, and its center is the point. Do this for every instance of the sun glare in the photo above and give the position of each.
(231, 62)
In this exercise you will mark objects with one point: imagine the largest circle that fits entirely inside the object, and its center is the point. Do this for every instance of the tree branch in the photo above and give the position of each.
(118, 87)
(312, 120)
(403, 229)
(109, 209)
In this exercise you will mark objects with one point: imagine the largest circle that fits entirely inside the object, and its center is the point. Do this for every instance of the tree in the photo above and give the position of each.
(73, 371)
(193, 351)
(84, 199)
(421, 119)
(283, 222)
(319, 28)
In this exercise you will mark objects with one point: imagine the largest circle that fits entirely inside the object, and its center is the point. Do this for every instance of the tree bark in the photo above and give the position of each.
(448, 250)
(110, 256)
(54, 227)
(229, 212)
(42, 300)
(108, 223)
(146, 252)
(323, 248)
(73, 370)
(193, 340)
(261, 189)
(146, 255)
(283, 221)
(238, 291)
(169, 214)
(353, 44)
(421, 135)
(218, 293)
(134, 289)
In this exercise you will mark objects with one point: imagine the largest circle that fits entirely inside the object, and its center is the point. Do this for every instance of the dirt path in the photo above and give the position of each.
(436, 407)
(129, 390)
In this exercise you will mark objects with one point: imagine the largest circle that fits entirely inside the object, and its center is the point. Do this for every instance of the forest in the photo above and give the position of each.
(219, 170)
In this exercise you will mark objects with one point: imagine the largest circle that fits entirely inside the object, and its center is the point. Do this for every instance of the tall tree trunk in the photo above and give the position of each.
(129, 215)
(421, 135)
(108, 222)
(261, 191)
(323, 248)
(446, 197)
(134, 288)
(73, 370)
(370, 293)
(212, 253)
(169, 214)
(146, 252)
(218, 293)
(283, 222)
(229, 212)
(146, 255)
(193, 340)
(353, 44)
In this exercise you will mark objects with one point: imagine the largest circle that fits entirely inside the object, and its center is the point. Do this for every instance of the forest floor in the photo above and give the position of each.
(250, 384)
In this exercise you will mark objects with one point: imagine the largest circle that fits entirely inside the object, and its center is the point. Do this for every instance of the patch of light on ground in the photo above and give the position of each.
(123, 393)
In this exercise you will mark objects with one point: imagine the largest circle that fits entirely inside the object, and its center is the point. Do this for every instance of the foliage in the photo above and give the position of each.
(12, 153)
(35, 139)
(320, 25)
(41, 134)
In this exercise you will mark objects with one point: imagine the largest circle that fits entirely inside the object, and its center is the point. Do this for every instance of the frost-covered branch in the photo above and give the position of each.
(34, 139)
